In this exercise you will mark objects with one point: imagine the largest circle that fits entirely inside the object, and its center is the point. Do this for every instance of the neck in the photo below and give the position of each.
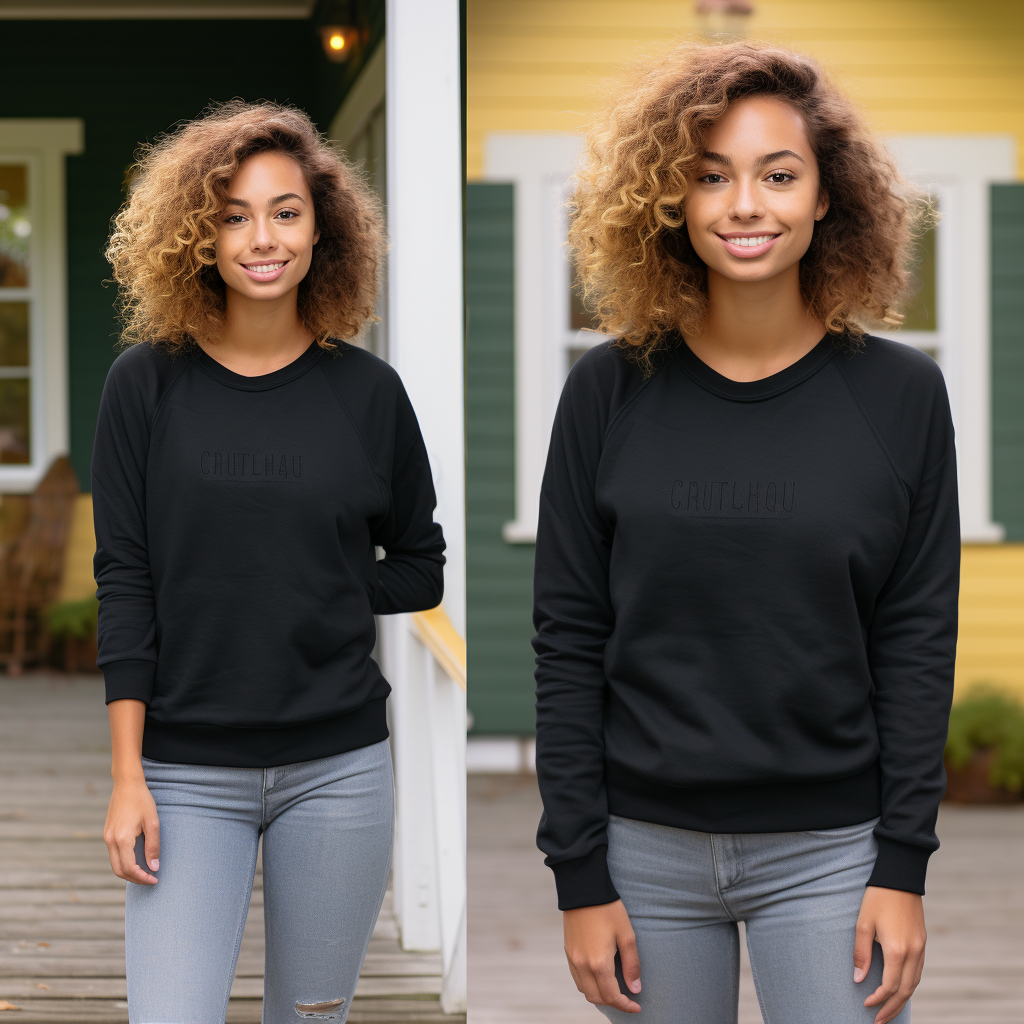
(755, 328)
(259, 335)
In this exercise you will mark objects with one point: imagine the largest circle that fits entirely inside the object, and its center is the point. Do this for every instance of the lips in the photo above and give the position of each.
(748, 246)
(267, 271)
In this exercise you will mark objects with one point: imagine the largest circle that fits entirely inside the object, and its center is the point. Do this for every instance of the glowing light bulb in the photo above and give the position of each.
(337, 42)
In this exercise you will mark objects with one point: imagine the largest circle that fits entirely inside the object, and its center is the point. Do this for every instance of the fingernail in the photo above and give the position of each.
(858, 975)
(155, 863)
(634, 986)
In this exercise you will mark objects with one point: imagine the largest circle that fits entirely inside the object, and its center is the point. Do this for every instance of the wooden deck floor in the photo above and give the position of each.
(974, 971)
(62, 909)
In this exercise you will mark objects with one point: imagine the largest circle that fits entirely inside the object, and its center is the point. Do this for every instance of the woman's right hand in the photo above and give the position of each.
(592, 936)
(132, 811)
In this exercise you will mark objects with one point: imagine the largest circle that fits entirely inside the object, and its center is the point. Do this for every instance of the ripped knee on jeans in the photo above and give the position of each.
(328, 1010)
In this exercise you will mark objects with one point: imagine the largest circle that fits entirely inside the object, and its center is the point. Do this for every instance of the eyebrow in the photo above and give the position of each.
(273, 202)
(768, 158)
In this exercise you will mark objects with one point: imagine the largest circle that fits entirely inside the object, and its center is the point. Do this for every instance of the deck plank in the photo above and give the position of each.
(62, 909)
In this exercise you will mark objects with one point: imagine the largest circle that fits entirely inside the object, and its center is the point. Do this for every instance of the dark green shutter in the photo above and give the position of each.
(499, 576)
(1008, 359)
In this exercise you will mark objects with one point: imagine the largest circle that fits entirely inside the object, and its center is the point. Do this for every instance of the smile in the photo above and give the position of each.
(747, 246)
(265, 271)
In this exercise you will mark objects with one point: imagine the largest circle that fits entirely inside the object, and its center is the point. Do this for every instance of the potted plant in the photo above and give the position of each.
(984, 754)
(76, 621)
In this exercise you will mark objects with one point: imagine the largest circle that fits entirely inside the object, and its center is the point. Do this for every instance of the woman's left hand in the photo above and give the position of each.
(895, 920)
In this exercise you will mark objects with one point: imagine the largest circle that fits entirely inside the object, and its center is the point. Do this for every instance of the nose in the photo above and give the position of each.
(746, 200)
(261, 238)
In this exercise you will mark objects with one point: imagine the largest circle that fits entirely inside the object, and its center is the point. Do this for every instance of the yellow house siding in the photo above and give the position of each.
(991, 643)
(915, 65)
(77, 583)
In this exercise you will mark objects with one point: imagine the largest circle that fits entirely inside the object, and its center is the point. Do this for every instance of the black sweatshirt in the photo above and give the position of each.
(236, 524)
(746, 604)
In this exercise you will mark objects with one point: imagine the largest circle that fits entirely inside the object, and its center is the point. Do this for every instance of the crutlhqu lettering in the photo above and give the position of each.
(266, 466)
(734, 499)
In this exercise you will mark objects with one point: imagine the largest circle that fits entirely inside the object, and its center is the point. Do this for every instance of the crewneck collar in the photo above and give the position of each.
(753, 390)
(263, 381)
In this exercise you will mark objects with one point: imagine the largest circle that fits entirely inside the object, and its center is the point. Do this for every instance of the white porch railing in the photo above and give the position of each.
(426, 663)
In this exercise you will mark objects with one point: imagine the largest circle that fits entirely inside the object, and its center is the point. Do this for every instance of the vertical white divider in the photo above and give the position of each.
(425, 345)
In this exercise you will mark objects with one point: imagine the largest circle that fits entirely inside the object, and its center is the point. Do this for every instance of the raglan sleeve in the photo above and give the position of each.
(411, 573)
(911, 650)
(573, 618)
(121, 565)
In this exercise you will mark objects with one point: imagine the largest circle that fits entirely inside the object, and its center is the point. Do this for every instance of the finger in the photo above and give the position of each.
(584, 980)
(863, 941)
(909, 980)
(630, 962)
(892, 1009)
(892, 972)
(587, 984)
(917, 959)
(575, 977)
(112, 853)
(151, 827)
(611, 995)
(893, 1006)
(130, 870)
(135, 874)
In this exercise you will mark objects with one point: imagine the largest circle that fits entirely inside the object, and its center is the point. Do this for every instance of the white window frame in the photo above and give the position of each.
(960, 169)
(539, 166)
(43, 144)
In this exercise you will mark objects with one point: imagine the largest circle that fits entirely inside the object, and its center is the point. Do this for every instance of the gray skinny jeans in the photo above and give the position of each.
(799, 894)
(327, 829)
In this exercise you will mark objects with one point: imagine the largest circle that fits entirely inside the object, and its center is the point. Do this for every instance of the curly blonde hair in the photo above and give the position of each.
(162, 247)
(638, 269)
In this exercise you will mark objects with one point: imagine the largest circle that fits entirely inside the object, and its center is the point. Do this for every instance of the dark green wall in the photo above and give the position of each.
(499, 576)
(1008, 358)
(129, 81)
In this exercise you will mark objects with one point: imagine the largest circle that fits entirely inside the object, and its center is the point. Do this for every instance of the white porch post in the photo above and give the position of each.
(425, 344)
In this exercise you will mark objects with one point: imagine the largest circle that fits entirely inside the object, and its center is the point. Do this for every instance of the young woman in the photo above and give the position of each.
(747, 561)
(248, 462)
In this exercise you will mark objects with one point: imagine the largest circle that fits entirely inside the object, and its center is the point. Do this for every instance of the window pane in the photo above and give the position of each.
(920, 311)
(14, 421)
(15, 226)
(13, 334)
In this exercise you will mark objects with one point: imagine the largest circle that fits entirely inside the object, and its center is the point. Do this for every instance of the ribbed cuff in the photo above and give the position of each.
(900, 866)
(584, 882)
(134, 679)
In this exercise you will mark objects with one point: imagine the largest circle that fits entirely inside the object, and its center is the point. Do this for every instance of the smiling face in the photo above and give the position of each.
(755, 194)
(266, 231)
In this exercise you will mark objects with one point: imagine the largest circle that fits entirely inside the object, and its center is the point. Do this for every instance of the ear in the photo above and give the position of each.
(822, 207)
(316, 236)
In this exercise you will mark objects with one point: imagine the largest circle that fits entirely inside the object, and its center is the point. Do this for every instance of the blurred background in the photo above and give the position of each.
(944, 81)
(82, 84)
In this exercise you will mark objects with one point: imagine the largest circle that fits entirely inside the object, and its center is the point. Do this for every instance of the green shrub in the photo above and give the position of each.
(988, 719)
(74, 618)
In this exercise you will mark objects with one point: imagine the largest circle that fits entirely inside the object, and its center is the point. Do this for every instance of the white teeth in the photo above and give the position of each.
(752, 240)
(267, 268)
